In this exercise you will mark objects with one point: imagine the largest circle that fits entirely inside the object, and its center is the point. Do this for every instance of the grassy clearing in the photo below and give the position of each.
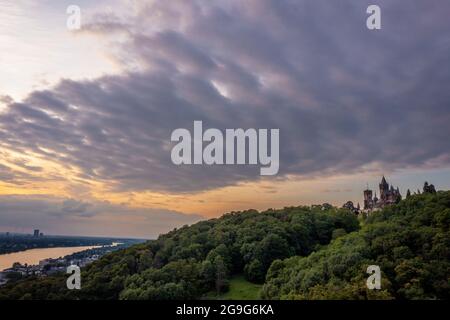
(240, 289)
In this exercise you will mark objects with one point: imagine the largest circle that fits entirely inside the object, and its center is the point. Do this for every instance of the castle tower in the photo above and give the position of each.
(368, 201)
(384, 189)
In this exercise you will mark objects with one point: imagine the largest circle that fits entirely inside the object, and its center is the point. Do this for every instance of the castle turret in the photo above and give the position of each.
(368, 201)
(384, 189)
(384, 183)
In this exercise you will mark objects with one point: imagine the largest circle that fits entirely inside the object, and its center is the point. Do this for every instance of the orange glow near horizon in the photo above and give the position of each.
(57, 180)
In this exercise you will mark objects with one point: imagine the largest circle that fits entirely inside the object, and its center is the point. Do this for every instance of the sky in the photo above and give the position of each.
(86, 116)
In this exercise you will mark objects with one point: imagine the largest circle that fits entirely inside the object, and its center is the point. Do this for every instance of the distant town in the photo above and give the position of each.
(12, 242)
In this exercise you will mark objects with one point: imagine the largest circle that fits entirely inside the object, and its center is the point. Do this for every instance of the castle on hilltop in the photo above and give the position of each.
(388, 195)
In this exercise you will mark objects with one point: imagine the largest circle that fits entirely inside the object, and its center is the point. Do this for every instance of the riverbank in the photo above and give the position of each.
(34, 256)
(48, 261)
(18, 242)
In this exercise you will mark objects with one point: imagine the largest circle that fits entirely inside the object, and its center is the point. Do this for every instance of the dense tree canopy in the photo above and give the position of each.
(193, 260)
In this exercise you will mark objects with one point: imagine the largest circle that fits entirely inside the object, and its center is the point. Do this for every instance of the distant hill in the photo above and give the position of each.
(296, 252)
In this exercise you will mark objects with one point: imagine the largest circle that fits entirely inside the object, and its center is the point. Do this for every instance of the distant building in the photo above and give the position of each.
(368, 200)
(3, 279)
(43, 263)
(36, 233)
(388, 195)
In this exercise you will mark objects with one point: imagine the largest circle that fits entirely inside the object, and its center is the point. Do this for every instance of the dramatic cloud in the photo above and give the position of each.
(68, 216)
(342, 96)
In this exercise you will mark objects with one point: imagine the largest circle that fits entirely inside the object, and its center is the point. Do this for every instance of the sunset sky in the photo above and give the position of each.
(86, 116)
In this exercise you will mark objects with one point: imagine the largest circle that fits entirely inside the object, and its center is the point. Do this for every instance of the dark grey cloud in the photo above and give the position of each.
(341, 95)
(69, 216)
(72, 206)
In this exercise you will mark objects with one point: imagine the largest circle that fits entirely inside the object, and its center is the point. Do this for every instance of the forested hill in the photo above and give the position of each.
(409, 241)
(298, 253)
(192, 261)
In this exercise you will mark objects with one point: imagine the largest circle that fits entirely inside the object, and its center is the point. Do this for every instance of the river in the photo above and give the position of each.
(33, 256)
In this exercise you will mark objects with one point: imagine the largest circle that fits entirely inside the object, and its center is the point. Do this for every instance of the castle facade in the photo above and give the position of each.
(388, 195)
